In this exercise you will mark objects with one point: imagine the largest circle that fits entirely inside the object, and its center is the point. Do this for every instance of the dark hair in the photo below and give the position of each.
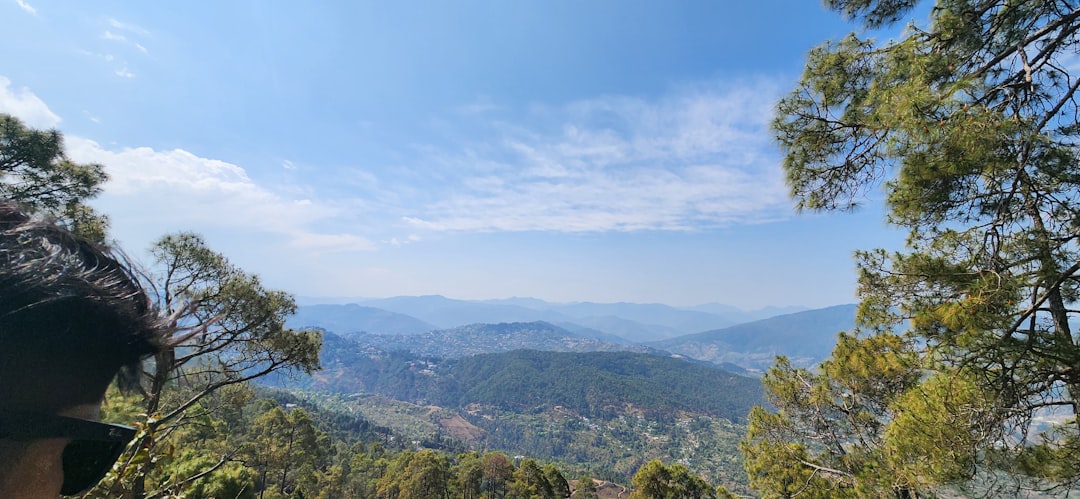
(71, 314)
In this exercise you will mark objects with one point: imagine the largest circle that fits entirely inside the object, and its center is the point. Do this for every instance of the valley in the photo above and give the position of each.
(600, 401)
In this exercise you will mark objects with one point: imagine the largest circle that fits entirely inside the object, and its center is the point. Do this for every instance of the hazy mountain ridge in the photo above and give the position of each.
(806, 338)
(351, 318)
(449, 313)
(636, 322)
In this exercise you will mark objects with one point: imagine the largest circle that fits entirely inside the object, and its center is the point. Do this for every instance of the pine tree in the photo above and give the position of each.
(969, 124)
(36, 172)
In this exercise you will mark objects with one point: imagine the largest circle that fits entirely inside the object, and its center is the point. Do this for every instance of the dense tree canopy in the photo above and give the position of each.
(968, 120)
(654, 480)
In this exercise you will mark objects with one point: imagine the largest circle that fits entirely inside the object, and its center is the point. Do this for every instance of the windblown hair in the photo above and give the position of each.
(71, 314)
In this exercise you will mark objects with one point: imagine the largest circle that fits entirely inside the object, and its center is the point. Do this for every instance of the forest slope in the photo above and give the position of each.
(608, 412)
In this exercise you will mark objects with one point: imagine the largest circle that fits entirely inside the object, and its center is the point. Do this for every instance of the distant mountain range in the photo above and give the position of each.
(419, 325)
(633, 322)
(352, 318)
(806, 338)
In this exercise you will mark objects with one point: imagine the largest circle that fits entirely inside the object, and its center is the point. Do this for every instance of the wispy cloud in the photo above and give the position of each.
(123, 39)
(698, 158)
(23, 104)
(116, 33)
(132, 28)
(109, 35)
(98, 55)
(26, 7)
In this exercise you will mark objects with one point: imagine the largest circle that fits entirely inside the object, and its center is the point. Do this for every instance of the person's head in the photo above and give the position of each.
(71, 317)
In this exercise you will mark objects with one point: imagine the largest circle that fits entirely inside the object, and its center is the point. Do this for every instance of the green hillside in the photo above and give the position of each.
(605, 412)
(477, 339)
(598, 384)
(590, 383)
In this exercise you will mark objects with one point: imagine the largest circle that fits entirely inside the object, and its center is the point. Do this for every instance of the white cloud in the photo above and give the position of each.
(109, 35)
(26, 7)
(26, 106)
(151, 192)
(698, 158)
(124, 72)
(125, 34)
(412, 238)
(178, 190)
(133, 28)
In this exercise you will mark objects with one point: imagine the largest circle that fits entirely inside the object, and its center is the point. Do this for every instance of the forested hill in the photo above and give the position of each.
(599, 384)
(492, 338)
(590, 383)
(608, 412)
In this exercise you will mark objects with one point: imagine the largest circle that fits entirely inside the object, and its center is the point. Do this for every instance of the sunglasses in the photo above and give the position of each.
(91, 452)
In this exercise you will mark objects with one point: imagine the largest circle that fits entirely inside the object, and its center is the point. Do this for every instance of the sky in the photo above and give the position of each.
(608, 150)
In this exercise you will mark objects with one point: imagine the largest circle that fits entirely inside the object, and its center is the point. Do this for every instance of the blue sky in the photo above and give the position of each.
(570, 151)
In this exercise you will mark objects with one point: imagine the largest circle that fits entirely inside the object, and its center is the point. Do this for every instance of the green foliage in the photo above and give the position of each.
(781, 469)
(35, 172)
(530, 482)
(586, 488)
(496, 473)
(825, 438)
(604, 413)
(231, 480)
(246, 443)
(969, 122)
(594, 384)
(420, 475)
(468, 473)
(935, 436)
(656, 481)
(560, 488)
(286, 450)
(615, 448)
(1055, 457)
